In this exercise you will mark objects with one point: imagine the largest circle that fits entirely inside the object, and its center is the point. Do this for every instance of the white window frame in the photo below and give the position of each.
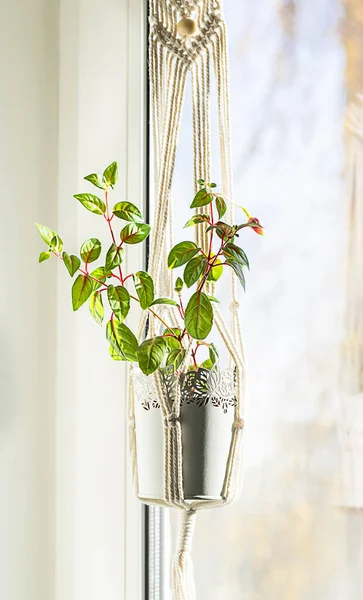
(102, 78)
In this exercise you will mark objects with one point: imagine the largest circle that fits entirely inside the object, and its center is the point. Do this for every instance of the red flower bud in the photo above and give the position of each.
(255, 224)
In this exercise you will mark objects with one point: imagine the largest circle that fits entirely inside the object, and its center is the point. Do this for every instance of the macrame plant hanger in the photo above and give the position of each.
(188, 39)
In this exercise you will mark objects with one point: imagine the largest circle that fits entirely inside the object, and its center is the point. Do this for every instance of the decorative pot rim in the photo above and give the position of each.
(216, 387)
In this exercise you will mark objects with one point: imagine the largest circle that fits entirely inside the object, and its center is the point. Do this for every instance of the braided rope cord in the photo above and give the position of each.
(172, 58)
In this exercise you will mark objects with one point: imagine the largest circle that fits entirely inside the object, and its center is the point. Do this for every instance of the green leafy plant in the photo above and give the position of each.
(109, 283)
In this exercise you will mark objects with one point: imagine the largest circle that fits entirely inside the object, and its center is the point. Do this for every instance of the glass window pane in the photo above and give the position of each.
(284, 538)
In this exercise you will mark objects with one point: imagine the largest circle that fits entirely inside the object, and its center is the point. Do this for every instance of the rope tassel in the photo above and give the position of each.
(183, 575)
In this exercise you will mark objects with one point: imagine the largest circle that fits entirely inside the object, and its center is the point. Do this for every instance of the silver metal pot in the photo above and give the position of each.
(206, 416)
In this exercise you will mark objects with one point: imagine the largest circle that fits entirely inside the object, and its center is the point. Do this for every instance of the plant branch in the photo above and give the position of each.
(156, 315)
(108, 219)
(211, 233)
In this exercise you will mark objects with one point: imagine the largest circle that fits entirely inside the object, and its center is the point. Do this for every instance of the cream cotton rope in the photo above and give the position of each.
(173, 58)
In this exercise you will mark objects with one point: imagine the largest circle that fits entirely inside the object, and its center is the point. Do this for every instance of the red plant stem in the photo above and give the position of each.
(94, 278)
(116, 277)
(194, 360)
(209, 267)
(182, 311)
(211, 234)
(108, 219)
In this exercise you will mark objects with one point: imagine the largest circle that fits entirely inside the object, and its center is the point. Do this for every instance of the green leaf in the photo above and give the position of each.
(128, 212)
(99, 274)
(221, 206)
(213, 185)
(248, 224)
(202, 198)
(237, 267)
(213, 354)
(179, 284)
(48, 235)
(197, 219)
(114, 257)
(171, 341)
(151, 354)
(95, 304)
(134, 233)
(176, 357)
(232, 251)
(56, 244)
(93, 203)
(122, 340)
(71, 262)
(224, 231)
(110, 174)
(164, 301)
(144, 286)
(213, 299)
(201, 182)
(199, 316)
(81, 290)
(181, 254)
(90, 250)
(96, 180)
(207, 364)
(114, 355)
(194, 269)
(44, 256)
(216, 271)
(119, 300)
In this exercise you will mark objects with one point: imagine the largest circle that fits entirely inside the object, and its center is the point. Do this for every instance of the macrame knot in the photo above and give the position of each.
(171, 420)
(234, 306)
(238, 424)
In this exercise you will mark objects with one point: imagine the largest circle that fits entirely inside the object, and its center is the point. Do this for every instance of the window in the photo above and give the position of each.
(286, 538)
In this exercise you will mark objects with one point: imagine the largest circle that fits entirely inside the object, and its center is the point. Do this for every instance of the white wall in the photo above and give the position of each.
(28, 161)
(65, 505)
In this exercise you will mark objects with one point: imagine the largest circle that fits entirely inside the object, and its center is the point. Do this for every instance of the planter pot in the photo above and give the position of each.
(350, 432)
(206, 417)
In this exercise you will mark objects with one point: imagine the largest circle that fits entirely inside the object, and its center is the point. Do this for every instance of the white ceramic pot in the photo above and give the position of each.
(206, 417)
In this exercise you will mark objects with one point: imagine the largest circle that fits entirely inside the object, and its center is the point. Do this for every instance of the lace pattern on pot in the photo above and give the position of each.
(202, 387)
(145, 391)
